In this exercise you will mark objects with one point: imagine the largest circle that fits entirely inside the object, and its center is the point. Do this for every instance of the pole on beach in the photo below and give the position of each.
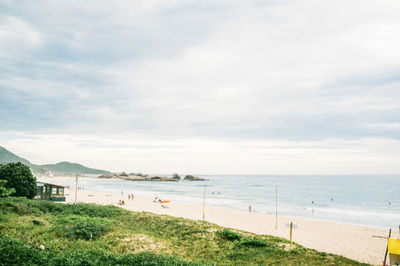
(76, 187)
(384, 260)
(276, 207)
(204, 199)
(291, 230)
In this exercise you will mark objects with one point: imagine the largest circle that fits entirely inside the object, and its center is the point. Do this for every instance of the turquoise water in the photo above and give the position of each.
(366, 200)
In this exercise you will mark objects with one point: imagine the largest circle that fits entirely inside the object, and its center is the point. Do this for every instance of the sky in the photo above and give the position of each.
(204, 87)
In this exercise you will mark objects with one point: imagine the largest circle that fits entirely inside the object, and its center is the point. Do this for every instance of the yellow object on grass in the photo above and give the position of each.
(394, 246)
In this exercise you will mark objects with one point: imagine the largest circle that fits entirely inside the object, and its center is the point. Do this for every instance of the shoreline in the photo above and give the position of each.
(321, 213)
(349, 240)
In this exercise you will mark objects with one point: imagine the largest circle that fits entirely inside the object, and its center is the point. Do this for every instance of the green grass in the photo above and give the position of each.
(87, 234)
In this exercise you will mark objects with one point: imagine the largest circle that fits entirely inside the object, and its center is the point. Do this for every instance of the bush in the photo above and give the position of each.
(95, 258)
(24, 206)
(253, 242)
(14, 252)
(5, 192)
(229, 235)
(19, 177)
(150, 259)
(86, 228)
(92, 210)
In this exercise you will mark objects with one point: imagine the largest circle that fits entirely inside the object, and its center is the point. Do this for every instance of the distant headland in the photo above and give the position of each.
(68, 169)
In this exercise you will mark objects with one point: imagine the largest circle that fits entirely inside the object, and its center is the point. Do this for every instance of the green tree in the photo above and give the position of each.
(5, 192)
(19, 177)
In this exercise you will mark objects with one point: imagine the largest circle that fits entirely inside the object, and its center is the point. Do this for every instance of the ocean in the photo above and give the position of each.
(364, 200)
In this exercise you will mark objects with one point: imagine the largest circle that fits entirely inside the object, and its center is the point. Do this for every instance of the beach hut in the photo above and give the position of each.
(47, 191)
(394, 251)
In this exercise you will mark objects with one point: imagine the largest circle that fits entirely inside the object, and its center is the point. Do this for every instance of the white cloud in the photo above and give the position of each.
(263, 72)
(17, 36)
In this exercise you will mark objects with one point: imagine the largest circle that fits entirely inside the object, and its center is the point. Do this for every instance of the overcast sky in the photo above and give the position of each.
(205, 87)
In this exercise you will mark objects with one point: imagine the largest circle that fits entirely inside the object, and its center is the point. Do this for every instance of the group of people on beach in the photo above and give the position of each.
(158, 200)
(130, 197)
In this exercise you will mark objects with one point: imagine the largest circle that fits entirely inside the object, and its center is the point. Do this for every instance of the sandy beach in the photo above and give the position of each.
(352, 241)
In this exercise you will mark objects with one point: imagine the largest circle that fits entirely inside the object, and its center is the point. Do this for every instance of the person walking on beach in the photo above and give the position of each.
(250, 208)
(129, 196)
(312, 202)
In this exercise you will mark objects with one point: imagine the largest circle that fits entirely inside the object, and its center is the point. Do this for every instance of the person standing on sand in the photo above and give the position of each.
(250, 208)
(129, 196)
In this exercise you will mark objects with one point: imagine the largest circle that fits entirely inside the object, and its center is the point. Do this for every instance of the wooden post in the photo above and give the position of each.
(384, 261)
(276, 207)
(76, 187)
(291, 229)
(204, 199)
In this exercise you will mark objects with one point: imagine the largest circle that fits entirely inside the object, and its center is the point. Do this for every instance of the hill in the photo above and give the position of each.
(59, 168)
(72, 168)
(9, 157)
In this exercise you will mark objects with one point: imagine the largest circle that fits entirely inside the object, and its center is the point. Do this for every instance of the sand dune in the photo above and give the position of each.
(352, 241)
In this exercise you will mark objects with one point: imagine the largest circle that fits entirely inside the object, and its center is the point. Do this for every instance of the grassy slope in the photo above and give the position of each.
(124, 237)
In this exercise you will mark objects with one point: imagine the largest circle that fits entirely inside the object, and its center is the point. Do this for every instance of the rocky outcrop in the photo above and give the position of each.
(193, 178)
(108, 176)
(140, 177)
(147, 178)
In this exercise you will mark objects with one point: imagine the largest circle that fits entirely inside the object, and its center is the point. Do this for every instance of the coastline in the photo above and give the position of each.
(349, 240)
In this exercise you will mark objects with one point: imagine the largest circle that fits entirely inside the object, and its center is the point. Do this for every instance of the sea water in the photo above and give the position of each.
(365, 200)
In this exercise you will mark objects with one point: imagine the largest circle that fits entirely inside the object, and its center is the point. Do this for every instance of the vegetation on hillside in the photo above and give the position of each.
(59, 168)
(72, 168)
(86, 234)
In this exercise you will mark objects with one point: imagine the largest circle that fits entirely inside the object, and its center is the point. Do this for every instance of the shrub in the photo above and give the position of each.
(253, 242)
(14, 252)
(95, 258)
(149, 259)
(5, 192)
(24, 206)
(19, 177)
(229, 235)
(86, 228)
(92, 210)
